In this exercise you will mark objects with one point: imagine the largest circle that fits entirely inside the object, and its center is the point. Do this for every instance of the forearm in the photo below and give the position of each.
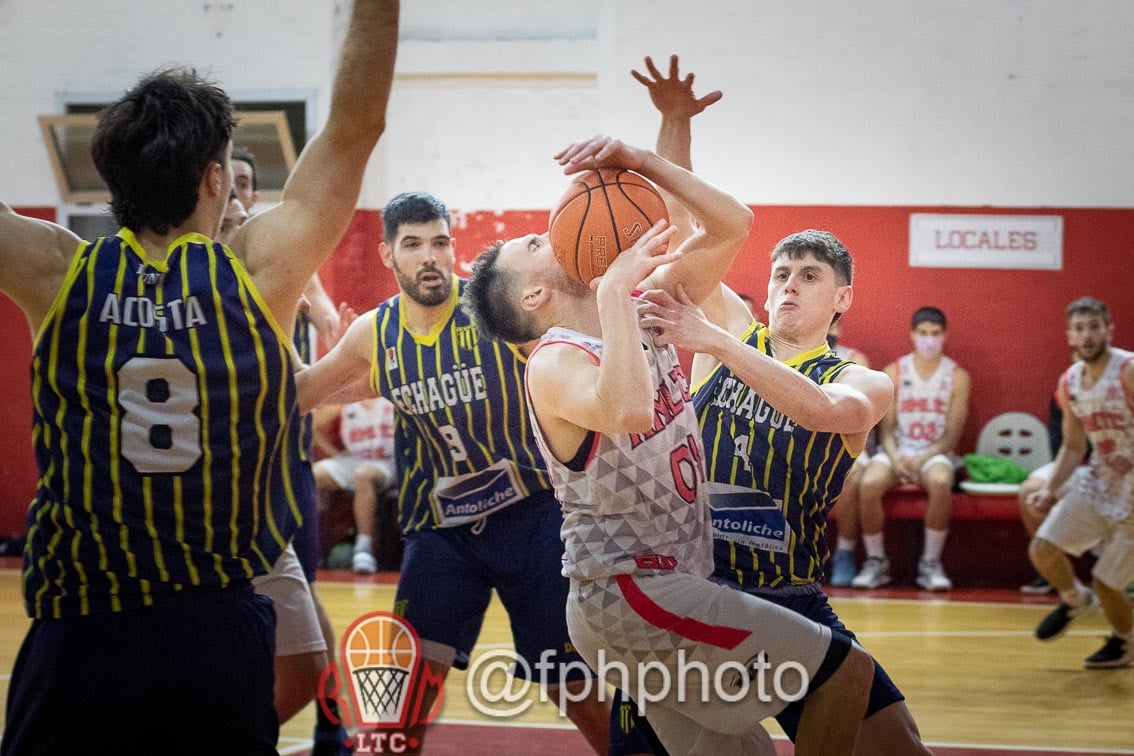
(720, 214)
(365, 75)
(675, 145)
(1066, 460)
(624, 386)
(791, 393)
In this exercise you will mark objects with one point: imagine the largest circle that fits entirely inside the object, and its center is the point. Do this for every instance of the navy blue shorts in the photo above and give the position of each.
(448, 575)
(306, 539)
(632, 734)
(190, 675)
(815, 606)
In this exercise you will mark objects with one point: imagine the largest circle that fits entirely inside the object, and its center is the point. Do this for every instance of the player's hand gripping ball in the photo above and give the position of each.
(601, 214)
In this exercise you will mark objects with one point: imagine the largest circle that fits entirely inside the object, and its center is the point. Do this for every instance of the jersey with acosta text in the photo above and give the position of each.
(165, 425)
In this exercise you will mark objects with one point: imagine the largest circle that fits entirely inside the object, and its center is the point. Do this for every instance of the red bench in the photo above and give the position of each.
(987, 546)
(908, 503)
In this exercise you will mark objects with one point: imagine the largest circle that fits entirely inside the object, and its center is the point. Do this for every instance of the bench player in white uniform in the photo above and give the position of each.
(618, 430)
(365, 468)
(1094, 508)
(918, 435)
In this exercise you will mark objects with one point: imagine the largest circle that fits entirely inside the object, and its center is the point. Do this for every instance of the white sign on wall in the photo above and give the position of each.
(986, 241)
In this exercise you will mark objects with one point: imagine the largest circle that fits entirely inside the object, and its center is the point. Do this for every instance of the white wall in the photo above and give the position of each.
(968, 102)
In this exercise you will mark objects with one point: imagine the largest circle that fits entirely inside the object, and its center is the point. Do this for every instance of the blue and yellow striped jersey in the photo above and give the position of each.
(164, 403)
(771, 481)
(463, 438)
(304, 349)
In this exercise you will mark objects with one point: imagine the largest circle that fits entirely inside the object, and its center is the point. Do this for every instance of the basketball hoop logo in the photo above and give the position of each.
(382, 663)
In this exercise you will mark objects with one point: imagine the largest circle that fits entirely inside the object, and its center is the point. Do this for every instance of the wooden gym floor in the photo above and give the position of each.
(975, 679)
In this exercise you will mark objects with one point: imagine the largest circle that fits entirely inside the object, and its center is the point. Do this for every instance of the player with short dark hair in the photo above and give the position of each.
(475, 502)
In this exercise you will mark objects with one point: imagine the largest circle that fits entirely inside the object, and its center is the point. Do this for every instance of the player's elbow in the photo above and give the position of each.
(633, 420)
(738, 223)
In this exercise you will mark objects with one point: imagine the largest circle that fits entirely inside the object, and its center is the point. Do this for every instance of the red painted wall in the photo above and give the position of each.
(1005, 326)
(17, 461)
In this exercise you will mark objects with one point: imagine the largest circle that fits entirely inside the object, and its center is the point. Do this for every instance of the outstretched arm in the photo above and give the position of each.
(709, 252)
(850, 405)
(34, 255)
(343, 374)
(284, 246)
(673, 97)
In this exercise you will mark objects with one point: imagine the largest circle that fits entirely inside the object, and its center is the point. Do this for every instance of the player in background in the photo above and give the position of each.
(1095, 501)
(297, 674)
(475, 501)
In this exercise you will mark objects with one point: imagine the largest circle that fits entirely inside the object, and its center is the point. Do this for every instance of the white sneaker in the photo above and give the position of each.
(363, 563)
(875, 573)
(932, 577)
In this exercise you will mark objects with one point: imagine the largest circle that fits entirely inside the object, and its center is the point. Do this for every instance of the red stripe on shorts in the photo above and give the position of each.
(694, 630)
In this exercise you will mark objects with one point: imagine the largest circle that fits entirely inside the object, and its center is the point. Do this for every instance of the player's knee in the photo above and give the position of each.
(323, 481)
(858, 669)
(1027, 488)
(938, 478)
(1043, 551)
(875, 481)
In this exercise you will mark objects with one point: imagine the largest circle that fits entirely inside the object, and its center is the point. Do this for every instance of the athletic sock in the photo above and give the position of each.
(844, 544)
(1076, 597)
(874, 545)
(362, 543)
(934, 544)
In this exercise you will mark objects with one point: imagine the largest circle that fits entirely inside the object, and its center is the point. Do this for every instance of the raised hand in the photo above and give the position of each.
(678, 321)
(632, 266)
(673, 96)
(600, 152)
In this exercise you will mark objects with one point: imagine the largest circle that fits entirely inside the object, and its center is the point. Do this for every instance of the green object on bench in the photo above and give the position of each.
(984, 469)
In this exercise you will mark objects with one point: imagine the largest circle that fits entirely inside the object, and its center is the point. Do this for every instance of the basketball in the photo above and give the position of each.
(601, 214)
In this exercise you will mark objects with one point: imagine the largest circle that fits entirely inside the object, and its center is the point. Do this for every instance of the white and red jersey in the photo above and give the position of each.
(368, 429)
(635, 503)
(922, 404)
(1107, 416)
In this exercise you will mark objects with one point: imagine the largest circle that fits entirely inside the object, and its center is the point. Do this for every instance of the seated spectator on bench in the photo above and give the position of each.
(918, 436)
(365, 466)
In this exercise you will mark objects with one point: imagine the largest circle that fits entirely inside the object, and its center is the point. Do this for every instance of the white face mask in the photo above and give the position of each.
(929, 346)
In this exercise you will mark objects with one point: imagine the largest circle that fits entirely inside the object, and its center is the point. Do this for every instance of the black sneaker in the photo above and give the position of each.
(1055, 624)
(1038, 587)
(331, 742)
(1115, 653)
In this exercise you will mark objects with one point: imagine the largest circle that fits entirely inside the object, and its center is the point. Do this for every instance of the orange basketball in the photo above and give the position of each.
(602, 213)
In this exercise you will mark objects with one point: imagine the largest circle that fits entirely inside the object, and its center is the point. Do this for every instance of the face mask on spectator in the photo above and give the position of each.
(929, 346)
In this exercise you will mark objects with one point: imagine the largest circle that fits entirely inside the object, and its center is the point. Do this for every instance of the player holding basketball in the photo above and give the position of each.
(781, 420)
(620, 436)
(163, 394)
(1095, 501)
(475, 501)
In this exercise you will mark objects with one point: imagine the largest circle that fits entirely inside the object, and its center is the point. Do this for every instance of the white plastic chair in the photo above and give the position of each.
(1018, 436)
